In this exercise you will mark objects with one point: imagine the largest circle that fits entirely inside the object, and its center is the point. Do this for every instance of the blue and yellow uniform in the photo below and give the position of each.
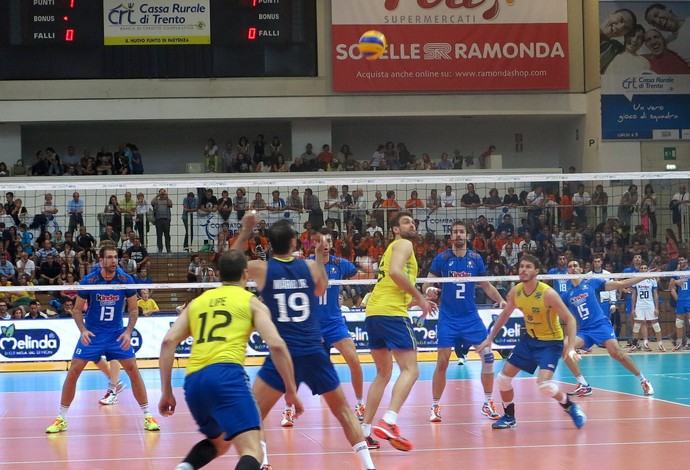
(104, 317)
(458, 319)
(289, 295)
(387, 321)
(542, 346)
(333, 327)
(217, 388)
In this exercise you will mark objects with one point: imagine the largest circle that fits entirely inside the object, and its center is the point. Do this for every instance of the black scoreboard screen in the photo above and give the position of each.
(127, 39)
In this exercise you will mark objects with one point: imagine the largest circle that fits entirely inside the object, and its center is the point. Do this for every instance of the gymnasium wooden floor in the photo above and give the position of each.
(625, 430)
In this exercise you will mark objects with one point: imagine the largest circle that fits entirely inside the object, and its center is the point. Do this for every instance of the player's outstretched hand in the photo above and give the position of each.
(250, 220)
(167, 404)
(86, 337)
(291, 399)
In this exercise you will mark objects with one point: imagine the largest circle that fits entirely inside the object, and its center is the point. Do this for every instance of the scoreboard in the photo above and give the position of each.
(113, 39)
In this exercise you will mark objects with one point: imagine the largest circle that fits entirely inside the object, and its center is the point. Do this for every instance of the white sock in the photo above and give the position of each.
(488, 397)
(184, 466)
(145, 408)
(391, 417)
(366, 430)
(581, 380)
(362, 451)
(264, 461)
(63, 411)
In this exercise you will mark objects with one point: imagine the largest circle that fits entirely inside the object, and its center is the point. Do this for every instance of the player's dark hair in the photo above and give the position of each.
(280, 234)
(457, 222)
(659, 6)
(395, 221)
(231, 265)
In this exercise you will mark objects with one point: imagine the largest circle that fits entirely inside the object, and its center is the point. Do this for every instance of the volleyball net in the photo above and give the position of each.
(618, 228)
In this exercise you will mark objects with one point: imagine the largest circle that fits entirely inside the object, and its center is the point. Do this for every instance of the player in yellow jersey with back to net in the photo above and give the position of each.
(216, 386)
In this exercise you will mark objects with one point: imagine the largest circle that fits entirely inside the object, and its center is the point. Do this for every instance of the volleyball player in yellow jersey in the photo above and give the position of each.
(541, 347)
(217, 388)
(390, 329)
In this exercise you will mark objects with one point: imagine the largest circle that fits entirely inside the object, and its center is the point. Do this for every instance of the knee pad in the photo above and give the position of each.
(637, 327)
(679, 322)
(548, 388)
(656, 327)
(487, 361)
(504, 382)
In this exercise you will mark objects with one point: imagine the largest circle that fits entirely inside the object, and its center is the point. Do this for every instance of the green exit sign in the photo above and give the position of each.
(669, 153)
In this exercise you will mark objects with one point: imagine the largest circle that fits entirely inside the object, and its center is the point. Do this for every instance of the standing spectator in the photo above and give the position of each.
(448, 197)
(313, 207)
(112, 214)
(240, 203)
(404, 157)
(75, 211)
(190, 205)
(162, 212)
(224, 206)
(391, 205)
(294, 201)
(376, 157)
(445, 163)
(376, 205)
(627, 205)
(211, 156)
(600, 199)
(536, 201)
(581, 200)
(511, 199)
(277, 203)
(648, 211)
(566, 208)
(485, 155)
(433, 202)
(470, 199)
(128, 209)
(141, 219)
(679, 200)
(137, 161)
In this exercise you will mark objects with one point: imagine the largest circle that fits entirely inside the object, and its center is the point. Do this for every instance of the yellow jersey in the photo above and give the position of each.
(387, 299)
(540, 322)
(221, 321)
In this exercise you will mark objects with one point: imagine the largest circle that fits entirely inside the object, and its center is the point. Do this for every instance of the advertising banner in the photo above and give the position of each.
(645, 70)
(156, 22)
(452, 45)
(55, 339)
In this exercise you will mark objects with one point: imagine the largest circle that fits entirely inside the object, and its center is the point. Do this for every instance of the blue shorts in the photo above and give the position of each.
(597, 334)
(390, 333)
(334, 331)
(103, 344)
(469, 332)
(682, 307)
(220, 399)
(315, 370)
(531, 353)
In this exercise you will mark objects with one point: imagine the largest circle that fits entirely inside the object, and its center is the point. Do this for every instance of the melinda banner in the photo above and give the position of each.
(645, 70)
(452, 45)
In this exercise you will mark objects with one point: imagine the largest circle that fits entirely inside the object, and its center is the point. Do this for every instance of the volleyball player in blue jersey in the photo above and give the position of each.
(459, 321)
(560, 286)
(333, 328)
(594, 327)
(102, 333)
(680, 291)
(290, 288)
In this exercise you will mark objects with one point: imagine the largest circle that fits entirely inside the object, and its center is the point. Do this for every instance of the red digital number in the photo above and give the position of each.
(254, 2)
(251, 34)
(71, 3)
(69, 35)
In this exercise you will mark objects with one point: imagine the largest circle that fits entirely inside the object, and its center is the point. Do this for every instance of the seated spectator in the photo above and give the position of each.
(204, 273)
(143, 278)
(4, 310)
(7, 268)
(69, 294)
(138, 253)
(194, 264)
(127, 264)
(66, 310)
(49, 271)
(445, 163)
(147, 305)
(35, 312)
(85, 241)
(448, 197)
(506, 225)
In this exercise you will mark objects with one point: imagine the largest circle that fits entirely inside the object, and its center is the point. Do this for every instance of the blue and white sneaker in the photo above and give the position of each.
(575, 412)
(505, 422)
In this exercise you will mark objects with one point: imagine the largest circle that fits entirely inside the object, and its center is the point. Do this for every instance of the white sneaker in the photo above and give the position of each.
(435, 414)
(288, 419)
(110, 398)
(647, 387)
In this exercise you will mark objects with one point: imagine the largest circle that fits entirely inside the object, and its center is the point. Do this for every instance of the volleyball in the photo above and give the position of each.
(372, 44)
